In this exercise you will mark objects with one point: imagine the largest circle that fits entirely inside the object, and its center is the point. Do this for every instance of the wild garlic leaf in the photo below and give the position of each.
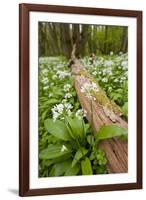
(86, 166)
(58, 129)
(78, 155)
(53, 151)
(110, 131)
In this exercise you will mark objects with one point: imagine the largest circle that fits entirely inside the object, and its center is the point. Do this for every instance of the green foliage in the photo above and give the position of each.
(67, 145)
(125, 109)
(86, 166)
(75, 151)
(55, 40)
(111, 72)
(78, 155)
(57, 129)
(53, 151)
(110, 131)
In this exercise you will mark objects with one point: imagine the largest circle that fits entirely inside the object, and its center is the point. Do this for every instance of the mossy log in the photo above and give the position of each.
(102, 111)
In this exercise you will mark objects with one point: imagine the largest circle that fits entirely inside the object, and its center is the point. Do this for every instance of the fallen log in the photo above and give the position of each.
(101, 111)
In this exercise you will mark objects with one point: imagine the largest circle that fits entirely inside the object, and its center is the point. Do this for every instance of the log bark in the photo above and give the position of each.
(116, 149)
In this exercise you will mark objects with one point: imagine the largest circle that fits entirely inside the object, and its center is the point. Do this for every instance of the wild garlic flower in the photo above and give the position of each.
(50, 95)
(46, 87)
(45, 72)
(81, 113)
(88, 88)
(59, 110)
(45, 80)
(108, 63)
(63, 74)
(94, 73)
(67, 87)
(64, 148)
(124, 64)
(54, 77)
(116, 80)
(68, 96)
(105, 80)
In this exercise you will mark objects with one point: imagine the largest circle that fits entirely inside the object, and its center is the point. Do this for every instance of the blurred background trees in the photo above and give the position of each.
(57, 39)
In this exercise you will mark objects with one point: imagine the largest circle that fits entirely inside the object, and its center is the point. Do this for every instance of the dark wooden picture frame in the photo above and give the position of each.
(24, 10)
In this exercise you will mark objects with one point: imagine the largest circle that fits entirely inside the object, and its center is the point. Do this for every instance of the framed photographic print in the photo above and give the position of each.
(80, 99)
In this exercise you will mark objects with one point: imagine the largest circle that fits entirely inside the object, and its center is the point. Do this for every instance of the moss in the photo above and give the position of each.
(101, 96)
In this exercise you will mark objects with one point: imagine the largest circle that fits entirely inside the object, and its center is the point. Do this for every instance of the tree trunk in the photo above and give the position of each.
(124, 41)
(66, 39)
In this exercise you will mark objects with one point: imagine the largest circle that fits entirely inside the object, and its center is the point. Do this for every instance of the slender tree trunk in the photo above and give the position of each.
(84, 40)
(105, 40)
(124, 40)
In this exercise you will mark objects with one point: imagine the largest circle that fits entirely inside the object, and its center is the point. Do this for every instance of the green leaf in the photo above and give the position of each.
(110, 131)
(90, 139)
(52, 101)
(72, 171)
(86, 167)
(60, 168)
(58, 129)
(62, 158)
(76, 126)
(53, 151)
(125, 108)
(78, 155)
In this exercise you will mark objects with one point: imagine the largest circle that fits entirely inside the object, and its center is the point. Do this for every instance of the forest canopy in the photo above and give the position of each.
(57, 39)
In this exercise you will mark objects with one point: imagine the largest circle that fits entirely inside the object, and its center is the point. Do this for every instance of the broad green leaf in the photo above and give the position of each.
(58, 129)
(76, 127)
(86, 167)
(78, 155)
(72, 171)
(62, 158)
(53, 151)
(110, 131)
(60, 168)
(90, 139)
(52, 101)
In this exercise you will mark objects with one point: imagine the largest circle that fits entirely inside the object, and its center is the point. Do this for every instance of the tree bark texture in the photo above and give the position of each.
(116, 149)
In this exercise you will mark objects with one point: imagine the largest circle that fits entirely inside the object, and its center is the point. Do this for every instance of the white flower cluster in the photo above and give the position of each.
(54, 77)
(67, 87)
(88, 88)
(59, 110)
(124, 64)
(107, 71)
(81, 113)
(105, 80)
(68, 96)
(108, 63)
(94, 73)
(63, 74)
(45, 72)
(121, 80)
(45, 80)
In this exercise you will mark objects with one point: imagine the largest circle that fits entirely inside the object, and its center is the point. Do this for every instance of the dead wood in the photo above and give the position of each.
(98, 114)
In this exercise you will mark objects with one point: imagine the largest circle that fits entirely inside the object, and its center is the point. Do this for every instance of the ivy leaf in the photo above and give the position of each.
(110, 131)
(86, 167)
(58, 129)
